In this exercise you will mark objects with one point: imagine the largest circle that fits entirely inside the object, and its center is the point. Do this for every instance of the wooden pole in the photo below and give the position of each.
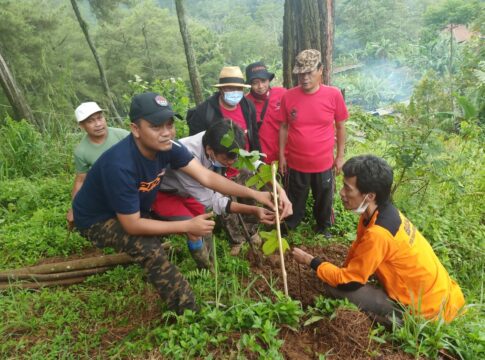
(38, 285)
(50, 277)
(73, 265)
(278, 227)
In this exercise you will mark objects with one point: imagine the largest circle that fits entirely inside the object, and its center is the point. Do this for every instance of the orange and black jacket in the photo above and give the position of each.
(389, 246)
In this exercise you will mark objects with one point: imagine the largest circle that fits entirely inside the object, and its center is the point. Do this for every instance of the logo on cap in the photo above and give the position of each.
(160, 100)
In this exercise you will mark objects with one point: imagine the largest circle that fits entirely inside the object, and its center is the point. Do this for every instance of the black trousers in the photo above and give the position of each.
(298, 186)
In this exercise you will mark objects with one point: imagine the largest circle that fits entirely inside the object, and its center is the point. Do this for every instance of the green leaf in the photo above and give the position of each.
(271, 243)
(270, 246)
(264, 172)
(253, 180)
(228, 139)
(313, 319)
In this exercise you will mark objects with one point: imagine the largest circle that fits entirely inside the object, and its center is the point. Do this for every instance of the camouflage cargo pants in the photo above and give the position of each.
(241, 227)
(148, 252)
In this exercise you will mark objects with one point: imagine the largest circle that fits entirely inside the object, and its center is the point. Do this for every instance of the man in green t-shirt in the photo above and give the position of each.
(98, 138)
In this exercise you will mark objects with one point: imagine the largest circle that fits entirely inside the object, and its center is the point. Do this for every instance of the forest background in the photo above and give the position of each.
(397, 51)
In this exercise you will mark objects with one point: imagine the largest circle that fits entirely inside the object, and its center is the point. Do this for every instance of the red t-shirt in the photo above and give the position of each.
(311, 132)
(269, 130)
(237, 116)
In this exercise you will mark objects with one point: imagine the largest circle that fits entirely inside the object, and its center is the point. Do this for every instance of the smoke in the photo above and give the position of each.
(376, 84)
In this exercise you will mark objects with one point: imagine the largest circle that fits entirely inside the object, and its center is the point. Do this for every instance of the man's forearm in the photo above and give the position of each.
(229, 187)
(78, 183)
(341, 134)
(283, 138)
(239, 208)
(147, 227)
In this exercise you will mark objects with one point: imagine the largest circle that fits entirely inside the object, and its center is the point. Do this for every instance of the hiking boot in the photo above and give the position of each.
(235, 249)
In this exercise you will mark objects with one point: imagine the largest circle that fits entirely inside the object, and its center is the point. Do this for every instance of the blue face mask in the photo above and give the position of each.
(216, 164)
(233, 97)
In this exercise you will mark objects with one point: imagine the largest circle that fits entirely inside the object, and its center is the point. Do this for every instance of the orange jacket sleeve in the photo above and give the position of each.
(366, 255)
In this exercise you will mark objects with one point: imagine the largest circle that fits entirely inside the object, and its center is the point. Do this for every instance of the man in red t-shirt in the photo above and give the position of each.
(313, 116)
(267, 101)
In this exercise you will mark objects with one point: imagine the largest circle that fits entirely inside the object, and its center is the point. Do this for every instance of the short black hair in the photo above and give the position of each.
(373, 174)
(215, 133)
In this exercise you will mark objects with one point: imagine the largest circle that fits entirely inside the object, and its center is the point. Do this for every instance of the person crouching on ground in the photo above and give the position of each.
(183, 197)
(389, 246)
(112, 207)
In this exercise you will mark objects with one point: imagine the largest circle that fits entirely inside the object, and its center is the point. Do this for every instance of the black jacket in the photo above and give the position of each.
(202, 115)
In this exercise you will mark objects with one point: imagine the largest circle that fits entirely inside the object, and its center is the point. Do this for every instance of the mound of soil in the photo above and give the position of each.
(345, 336)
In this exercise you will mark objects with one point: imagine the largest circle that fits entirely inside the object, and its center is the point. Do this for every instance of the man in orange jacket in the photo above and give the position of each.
(389, 246)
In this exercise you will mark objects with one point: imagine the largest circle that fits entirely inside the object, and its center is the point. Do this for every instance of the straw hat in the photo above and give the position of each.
(231, 76)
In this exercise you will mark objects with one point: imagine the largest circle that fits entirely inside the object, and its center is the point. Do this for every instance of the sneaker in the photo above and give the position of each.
(323, 231)
(235, 249)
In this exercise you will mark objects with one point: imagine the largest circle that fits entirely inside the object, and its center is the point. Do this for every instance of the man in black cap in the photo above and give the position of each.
(111, 209)
(267, 101)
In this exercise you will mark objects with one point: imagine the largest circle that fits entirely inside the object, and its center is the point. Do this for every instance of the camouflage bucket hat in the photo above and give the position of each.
(307, 61)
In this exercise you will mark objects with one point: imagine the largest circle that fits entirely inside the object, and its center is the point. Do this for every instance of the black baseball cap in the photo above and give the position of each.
(152, 107)
(257, 70)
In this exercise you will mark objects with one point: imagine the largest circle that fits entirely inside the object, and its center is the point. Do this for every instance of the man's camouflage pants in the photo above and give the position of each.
(148, 252)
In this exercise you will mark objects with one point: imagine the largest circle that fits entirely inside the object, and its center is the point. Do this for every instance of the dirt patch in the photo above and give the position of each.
(303, 285)
(345, 336)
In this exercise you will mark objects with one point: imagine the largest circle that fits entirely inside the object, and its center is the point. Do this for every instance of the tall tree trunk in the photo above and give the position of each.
(104, 81)
(14, 94)
(189, 52)
(307, 24)
(147, 51)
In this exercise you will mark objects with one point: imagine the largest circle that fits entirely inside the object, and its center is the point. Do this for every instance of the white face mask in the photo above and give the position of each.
(362, 207)
(233, 97)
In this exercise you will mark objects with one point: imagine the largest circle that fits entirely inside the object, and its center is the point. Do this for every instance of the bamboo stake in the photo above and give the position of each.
(278, 228)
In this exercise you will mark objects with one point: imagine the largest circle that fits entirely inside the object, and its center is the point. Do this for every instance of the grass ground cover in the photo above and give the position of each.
(118, 315)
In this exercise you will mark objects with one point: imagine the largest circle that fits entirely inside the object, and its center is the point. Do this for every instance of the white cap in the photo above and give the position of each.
(85, 110)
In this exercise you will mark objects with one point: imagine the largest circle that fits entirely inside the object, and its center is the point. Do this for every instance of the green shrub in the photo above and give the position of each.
(24, 152)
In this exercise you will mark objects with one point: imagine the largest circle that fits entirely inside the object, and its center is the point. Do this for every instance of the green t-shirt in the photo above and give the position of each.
(86, 153)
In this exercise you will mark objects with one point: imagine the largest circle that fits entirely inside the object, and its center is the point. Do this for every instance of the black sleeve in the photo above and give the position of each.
(315, 263)
(228, 207)
(254, 143)
(197, 121)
